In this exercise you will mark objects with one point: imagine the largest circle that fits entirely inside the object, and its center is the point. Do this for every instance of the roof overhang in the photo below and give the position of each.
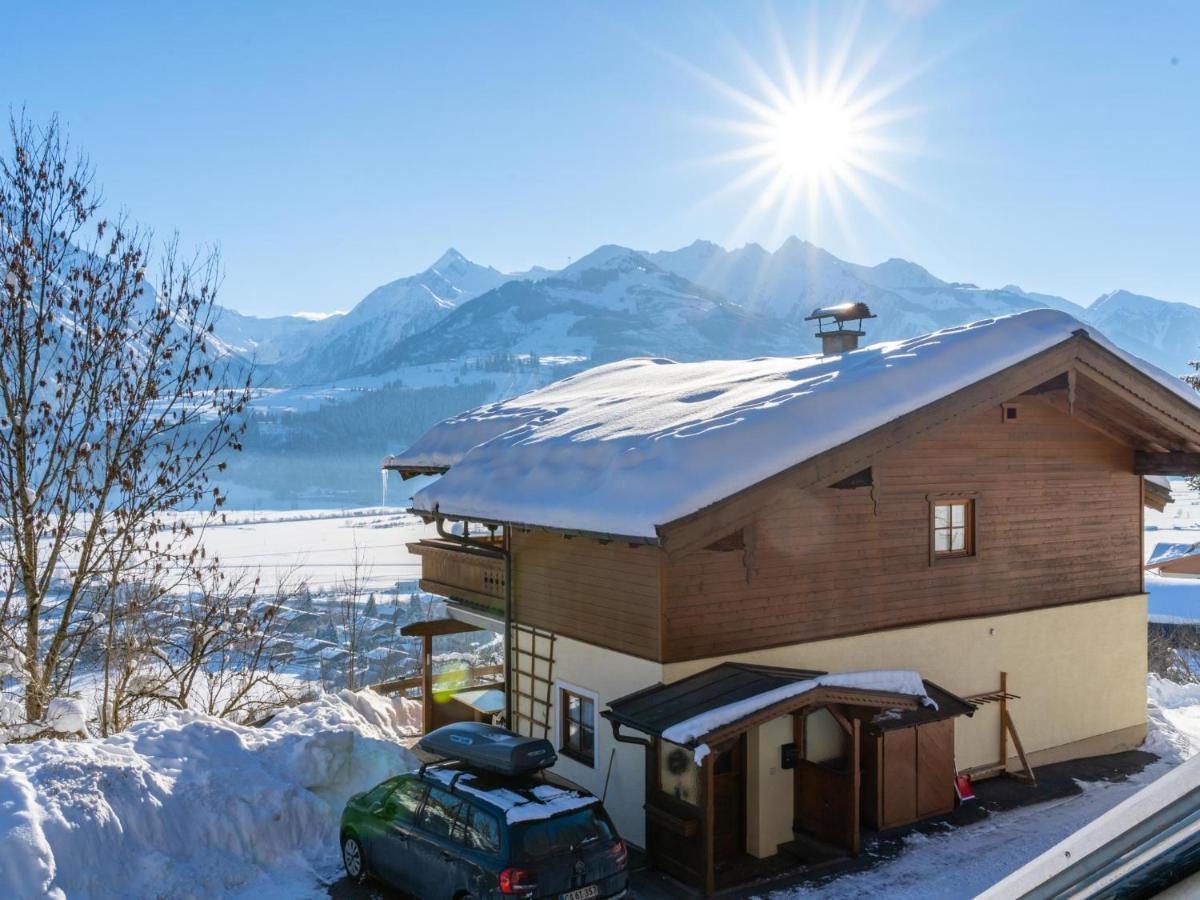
(649, 710)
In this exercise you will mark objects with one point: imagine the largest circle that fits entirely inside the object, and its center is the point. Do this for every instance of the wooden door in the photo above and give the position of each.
(826, 793)
(729, 801)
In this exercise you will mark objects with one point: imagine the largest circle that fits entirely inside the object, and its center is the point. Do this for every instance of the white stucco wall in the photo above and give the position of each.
(608, 675)
(1080, 671)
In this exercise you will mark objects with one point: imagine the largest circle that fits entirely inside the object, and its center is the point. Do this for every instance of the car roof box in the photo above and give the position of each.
(490, 747)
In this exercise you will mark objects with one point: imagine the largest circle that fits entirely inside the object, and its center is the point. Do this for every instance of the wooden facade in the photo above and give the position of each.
(1056, 510)
(603, 593)
(1048, 453)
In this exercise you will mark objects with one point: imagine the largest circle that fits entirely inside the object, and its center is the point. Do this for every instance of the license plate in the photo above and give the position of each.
(584, 893)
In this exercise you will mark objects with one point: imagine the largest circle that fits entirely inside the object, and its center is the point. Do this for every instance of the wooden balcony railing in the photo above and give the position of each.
(461, 573)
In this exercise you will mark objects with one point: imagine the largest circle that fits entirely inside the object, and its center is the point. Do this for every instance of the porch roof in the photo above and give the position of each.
(662, 709)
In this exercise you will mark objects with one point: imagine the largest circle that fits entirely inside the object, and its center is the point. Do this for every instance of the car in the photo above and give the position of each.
(457, 830)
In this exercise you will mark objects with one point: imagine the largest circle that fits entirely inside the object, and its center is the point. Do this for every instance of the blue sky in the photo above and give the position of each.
(328, 148)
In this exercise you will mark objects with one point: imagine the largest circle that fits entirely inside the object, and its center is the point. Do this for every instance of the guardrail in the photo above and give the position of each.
(474, 677)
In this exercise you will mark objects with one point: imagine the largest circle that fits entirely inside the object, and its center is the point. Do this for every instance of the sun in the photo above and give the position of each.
(810, 139)
(811, 136)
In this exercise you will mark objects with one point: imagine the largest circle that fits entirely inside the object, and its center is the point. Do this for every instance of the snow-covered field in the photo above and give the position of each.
(319, 546)
(190, 806)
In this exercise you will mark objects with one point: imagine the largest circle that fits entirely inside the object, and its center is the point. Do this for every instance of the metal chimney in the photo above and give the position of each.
(839, 327)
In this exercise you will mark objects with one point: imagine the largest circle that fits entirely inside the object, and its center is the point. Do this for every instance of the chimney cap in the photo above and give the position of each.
(840, 313)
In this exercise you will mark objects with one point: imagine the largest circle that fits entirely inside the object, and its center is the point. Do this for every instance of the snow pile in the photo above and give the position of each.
(625, 447)
(1175, 714)
(891, 681)
(66, 715)
(188, 805)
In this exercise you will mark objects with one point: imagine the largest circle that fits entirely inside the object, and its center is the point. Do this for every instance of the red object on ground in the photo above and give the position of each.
(962, 787)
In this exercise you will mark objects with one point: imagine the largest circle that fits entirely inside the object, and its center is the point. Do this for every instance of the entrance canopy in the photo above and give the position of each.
(731, 698)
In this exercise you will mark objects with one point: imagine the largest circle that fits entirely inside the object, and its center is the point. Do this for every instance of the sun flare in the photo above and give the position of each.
(815, 133)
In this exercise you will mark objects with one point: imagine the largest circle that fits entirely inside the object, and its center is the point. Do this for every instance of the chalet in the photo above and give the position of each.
(761, 605)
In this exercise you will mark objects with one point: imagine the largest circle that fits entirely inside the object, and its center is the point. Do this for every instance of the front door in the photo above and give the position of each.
(729, 802)
(827, 779)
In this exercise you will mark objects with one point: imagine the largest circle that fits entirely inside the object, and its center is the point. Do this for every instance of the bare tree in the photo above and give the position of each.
(349, 615)
(220, 649)
(117, 407)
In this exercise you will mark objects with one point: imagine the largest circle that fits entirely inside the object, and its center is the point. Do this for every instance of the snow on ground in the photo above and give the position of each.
(187, 805)
(961, 862)
(319, 546)
(1174, 599)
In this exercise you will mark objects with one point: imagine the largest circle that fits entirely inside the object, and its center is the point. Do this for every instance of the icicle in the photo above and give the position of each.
(383, 498)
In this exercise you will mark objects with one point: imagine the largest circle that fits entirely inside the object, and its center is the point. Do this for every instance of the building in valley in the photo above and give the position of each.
(767, 603)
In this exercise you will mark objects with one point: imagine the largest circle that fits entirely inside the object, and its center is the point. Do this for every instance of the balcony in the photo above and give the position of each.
(466, 574)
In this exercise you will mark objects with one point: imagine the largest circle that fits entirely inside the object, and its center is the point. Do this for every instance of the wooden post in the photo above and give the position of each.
(427, 683)
(710, 848)
(1003, 722)
(855, 789)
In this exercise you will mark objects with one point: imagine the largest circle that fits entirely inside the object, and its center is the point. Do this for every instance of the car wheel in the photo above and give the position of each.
(354, 859)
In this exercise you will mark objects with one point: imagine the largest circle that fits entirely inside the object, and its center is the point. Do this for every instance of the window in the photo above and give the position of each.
(578, 723)
(482, 831)
(375, 797)
(441, 809)
(953, 528)
(543, 838)
(402, 806)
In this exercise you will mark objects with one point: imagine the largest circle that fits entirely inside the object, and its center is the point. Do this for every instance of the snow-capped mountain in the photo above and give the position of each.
(698, 301)
(799, 277)
(265, 340)
(612, 303)
(388, 315)
(1164, 333)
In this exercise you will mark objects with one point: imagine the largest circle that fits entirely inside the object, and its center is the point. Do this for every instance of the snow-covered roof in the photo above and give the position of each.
(1166, 552)
(890, 681)
(625, 447)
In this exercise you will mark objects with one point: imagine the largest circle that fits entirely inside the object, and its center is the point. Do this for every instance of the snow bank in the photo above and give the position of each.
(892, 681)
(188, 805)
(622, 448)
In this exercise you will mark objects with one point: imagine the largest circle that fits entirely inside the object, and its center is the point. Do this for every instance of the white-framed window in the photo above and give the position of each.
(577, 722)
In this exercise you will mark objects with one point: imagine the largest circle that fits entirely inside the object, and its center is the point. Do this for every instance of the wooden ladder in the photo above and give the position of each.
(531, 655)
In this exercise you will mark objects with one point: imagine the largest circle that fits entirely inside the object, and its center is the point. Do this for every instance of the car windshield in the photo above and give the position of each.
(548, 837)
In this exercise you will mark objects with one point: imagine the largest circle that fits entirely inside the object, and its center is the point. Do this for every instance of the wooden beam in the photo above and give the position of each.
(710, 816)
(821, 696)
(1003, 719)
(1150, 463)
(1027, 775)
(855, 788)
(427, 700)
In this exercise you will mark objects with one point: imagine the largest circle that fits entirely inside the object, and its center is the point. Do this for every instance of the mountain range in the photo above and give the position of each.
(701, 301)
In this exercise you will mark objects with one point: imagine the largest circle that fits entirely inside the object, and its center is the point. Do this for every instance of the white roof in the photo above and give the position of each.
(892, 681)
(625, 447)
(1166, 553)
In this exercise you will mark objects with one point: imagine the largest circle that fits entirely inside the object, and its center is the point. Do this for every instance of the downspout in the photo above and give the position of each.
(506, 554)
(508, 622)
